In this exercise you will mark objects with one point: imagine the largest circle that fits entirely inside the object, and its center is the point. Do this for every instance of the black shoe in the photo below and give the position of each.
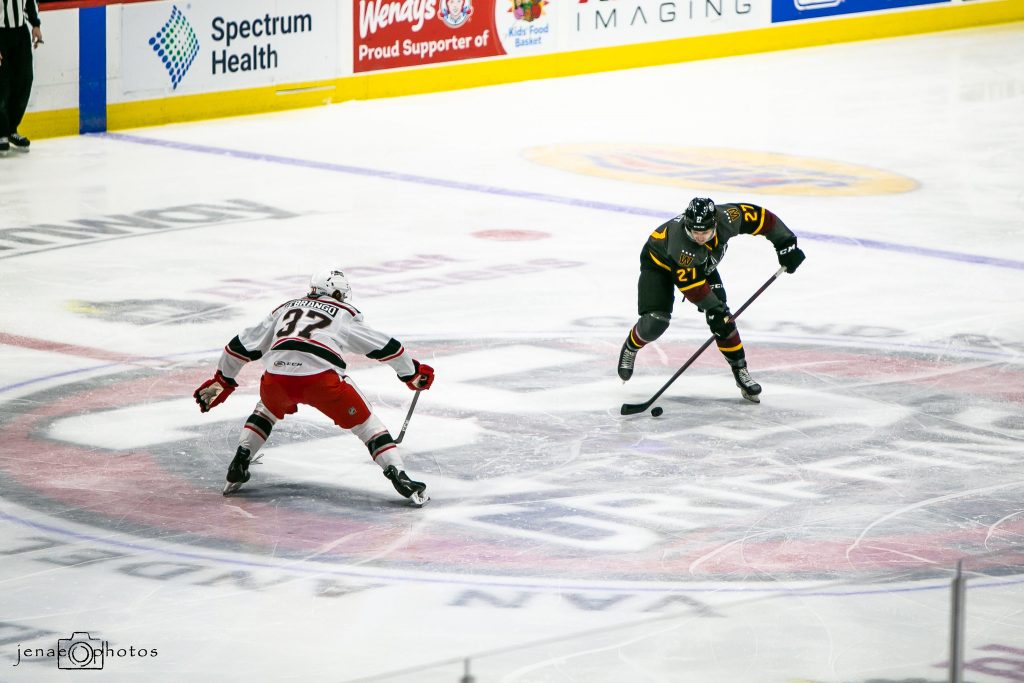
(748, 387)
(413, 490)
(19, 142)
(238, 471)
(5, 146)
(627, 357)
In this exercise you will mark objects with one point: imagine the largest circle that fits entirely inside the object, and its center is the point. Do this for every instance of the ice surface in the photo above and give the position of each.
(812, 537)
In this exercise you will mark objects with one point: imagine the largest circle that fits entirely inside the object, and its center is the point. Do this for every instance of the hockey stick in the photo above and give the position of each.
(408, 416)
(634, 408)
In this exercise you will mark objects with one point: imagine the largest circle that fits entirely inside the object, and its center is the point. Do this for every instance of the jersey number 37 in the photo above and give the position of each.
(291, 321)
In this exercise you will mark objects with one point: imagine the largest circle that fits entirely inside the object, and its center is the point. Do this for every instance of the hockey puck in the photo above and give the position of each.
(657, 411)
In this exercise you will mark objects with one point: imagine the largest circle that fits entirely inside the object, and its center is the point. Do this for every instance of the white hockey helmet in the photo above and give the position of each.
(332, 283)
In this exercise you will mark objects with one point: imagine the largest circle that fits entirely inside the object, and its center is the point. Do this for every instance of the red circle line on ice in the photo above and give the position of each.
(160, 489)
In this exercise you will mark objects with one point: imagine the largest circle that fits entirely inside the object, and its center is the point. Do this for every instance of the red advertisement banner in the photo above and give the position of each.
(397, 33)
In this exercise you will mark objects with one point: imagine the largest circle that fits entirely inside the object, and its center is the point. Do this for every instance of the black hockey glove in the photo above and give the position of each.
(720, 322)
(790, 256)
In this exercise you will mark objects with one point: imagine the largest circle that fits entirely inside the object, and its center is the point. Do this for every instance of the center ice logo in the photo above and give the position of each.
(176, 45)
(534, 475)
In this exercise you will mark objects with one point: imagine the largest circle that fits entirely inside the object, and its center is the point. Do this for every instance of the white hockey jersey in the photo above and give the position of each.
(308, 336)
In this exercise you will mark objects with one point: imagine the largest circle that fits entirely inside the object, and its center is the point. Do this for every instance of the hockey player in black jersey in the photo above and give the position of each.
(684, 253)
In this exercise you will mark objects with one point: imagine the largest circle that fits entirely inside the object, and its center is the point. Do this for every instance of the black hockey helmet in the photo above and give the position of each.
(699, 216)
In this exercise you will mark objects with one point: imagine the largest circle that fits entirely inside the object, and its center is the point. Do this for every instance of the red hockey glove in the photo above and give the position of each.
(421, 379)
(214, 391)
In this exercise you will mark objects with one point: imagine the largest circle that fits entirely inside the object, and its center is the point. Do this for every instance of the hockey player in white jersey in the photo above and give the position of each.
(301, 344)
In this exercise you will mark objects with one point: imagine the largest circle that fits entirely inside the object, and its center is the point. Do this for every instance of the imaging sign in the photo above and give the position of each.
(203, 46)
(604, 23)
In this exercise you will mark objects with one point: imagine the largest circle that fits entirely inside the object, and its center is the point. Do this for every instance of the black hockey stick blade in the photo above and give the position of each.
(634, 408)
(408, 416)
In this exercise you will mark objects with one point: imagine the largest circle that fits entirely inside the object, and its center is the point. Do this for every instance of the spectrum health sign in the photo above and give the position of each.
(388, 34)
(196, 46)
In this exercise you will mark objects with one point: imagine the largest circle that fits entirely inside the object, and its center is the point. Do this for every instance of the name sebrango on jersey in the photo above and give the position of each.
(310, 335)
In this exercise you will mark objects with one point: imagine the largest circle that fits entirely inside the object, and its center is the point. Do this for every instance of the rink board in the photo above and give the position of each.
(230, 58)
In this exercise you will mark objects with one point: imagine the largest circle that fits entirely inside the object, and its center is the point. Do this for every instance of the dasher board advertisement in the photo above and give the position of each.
(211, 45)
(607, 23)
(790, 10)
(405, 33)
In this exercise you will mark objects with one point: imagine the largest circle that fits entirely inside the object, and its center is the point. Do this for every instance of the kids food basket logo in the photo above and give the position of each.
(527, 10)
(526, 26)
(176, 45)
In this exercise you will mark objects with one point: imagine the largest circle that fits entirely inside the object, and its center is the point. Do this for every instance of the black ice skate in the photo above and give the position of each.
(413, 490)
(19, 142)
(748, 387)
(238, 471)
(627, 357)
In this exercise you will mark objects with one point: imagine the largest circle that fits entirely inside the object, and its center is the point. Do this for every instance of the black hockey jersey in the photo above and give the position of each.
(670, 248)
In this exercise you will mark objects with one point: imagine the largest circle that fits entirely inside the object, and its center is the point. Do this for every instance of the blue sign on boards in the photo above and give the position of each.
(790, 10)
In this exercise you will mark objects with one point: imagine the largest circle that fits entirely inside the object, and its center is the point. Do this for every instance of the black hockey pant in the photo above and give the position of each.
(15, 77)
